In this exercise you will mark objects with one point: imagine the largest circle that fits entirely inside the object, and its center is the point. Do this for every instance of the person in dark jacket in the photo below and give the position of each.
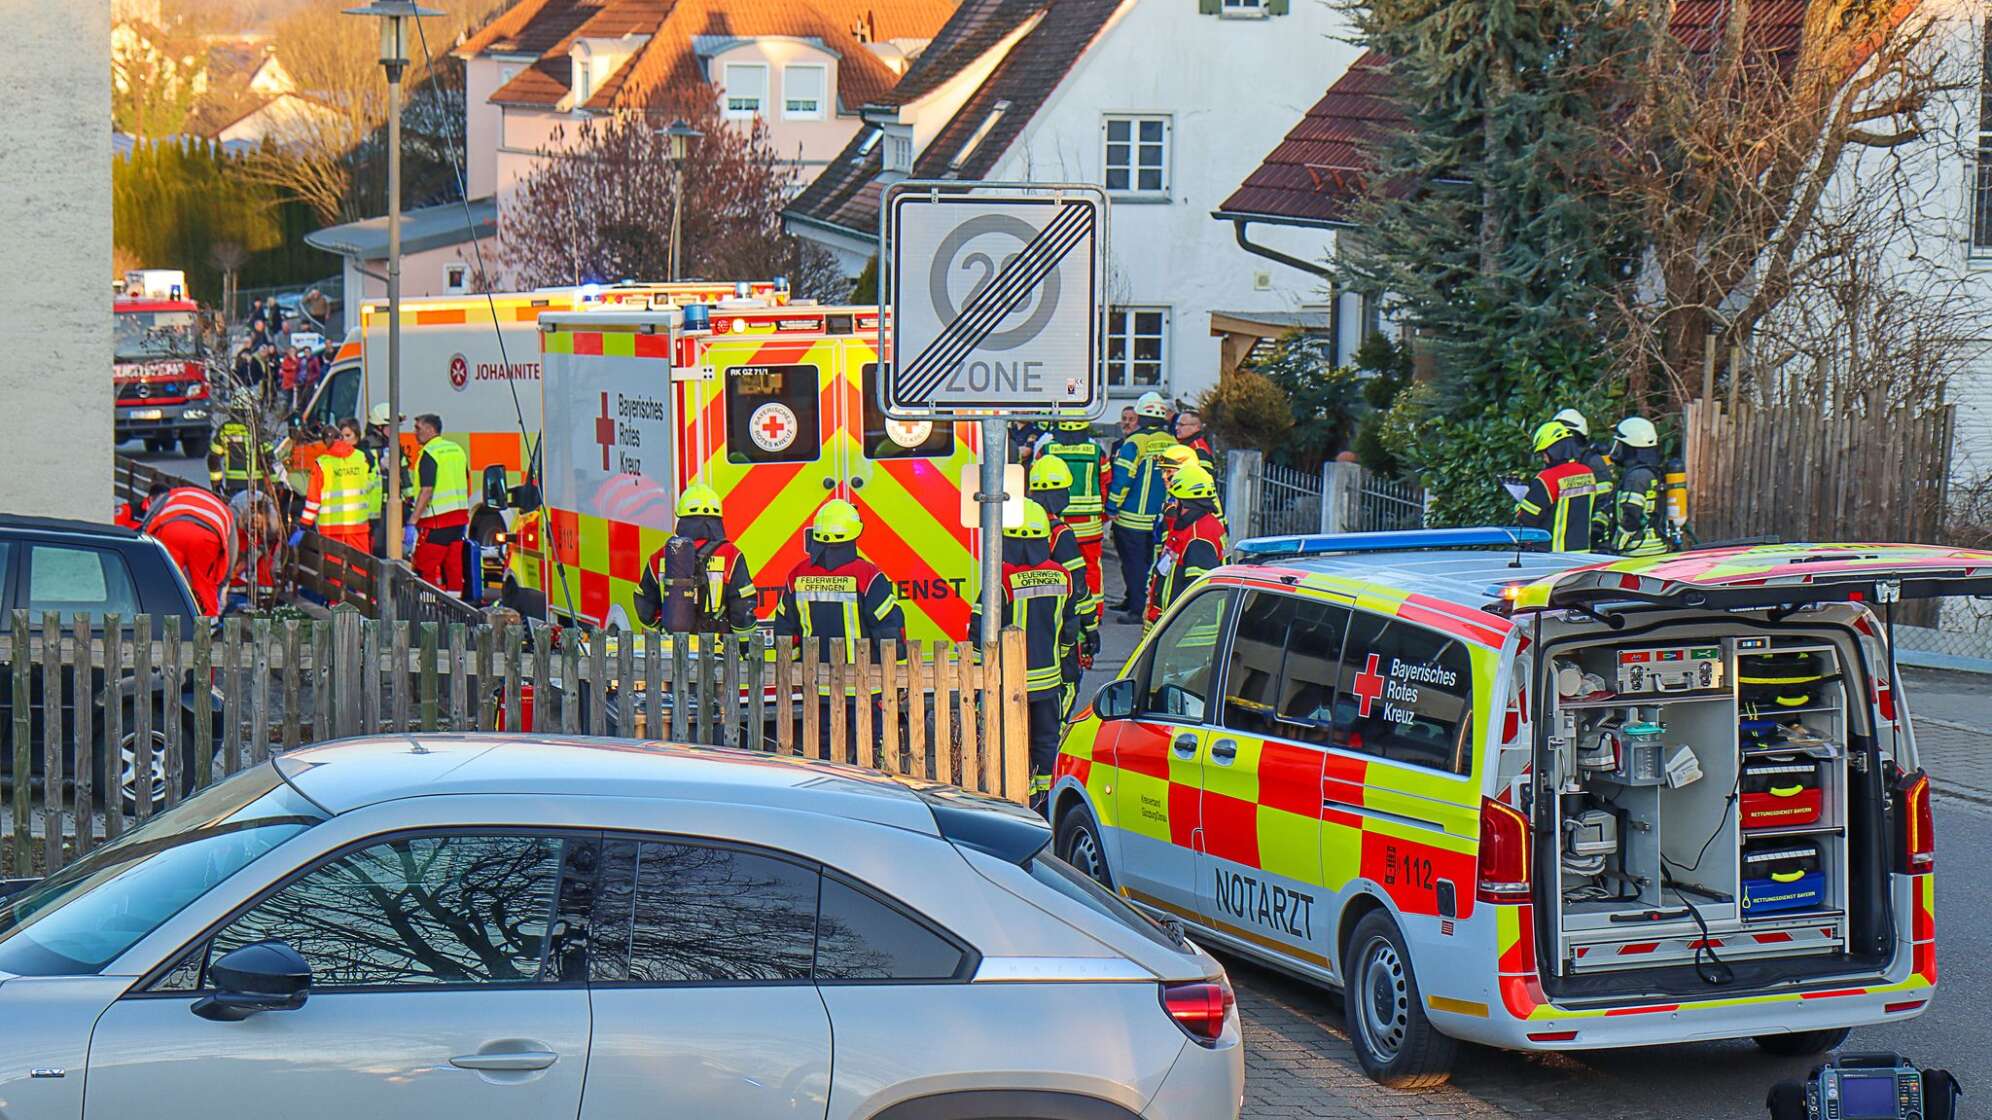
(1039, 599)
(723, 600)
(1638, 514)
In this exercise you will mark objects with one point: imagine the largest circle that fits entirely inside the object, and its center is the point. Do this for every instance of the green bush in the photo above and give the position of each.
(172, 202)
(1247, 409)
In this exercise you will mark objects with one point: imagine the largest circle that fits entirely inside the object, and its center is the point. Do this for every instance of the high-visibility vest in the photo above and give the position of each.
(342, 497)
(376, 493)
(240, 453)
(1082, 457)
(452, 490)
(1139, 495)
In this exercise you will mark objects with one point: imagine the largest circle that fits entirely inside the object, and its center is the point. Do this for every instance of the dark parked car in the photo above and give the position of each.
(81, 567)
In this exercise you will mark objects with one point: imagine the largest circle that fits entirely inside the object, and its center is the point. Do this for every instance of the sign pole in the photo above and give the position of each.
(995, 444)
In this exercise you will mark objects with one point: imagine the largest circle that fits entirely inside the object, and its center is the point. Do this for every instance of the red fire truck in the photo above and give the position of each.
(160, 378)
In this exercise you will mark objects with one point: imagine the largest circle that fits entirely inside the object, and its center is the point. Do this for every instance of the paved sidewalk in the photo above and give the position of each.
(1958, 757)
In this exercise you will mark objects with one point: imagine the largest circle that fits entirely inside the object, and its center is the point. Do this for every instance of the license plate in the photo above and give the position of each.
(148, 414)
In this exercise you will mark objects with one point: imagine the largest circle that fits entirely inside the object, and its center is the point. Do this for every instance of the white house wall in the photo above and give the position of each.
(1231, 88)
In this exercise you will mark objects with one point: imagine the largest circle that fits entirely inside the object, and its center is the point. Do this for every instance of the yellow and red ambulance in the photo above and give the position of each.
(1532, 800)
(775, 407)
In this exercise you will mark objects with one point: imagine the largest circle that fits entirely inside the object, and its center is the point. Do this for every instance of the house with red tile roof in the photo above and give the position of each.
(1167, 103)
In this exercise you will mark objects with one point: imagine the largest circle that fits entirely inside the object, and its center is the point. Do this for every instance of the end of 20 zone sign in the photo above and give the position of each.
(994, 292)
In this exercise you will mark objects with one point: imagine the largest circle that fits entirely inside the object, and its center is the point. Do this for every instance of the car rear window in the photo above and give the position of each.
(1073, 884)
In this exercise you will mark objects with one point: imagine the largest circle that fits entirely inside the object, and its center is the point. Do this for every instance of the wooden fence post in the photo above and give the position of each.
(259, 692)
(681, 717)
(864, 751)
(142, 633)
(729, 653)
(965, 719)
(51, 745)
(598, 679)
(812, 700)
(171, 675)
(916, 715)
(347, 649)
(755, 651)
(785, 713)
(570, 687)
(459, 677)
(397, 656)
(840, 695)
(708, 706)
(430, 719)
(113, 738)
(626, 686)
(81, 675)
(653, 688)
(321, 681)
(509, 653)
(294, 682)
(203, 677)
(1016, 718)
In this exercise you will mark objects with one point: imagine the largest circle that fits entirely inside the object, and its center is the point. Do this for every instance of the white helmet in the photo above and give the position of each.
(1152, 405)
(1574, 420)
(1638, 431)
(379, 416)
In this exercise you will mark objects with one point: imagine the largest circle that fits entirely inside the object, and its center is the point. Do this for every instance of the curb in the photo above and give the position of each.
(1929, 659)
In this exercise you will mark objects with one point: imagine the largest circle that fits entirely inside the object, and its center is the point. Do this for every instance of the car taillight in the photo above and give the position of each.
(1199, 1007)
(1919, 838)
(1504, 853)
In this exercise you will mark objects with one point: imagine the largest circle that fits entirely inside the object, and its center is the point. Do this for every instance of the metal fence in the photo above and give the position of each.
(144, 714)
(1266, 499)
(1384, 504)
(1289, 502)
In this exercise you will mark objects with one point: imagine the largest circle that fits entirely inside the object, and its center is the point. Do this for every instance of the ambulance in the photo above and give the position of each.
(776, 408)
(1532, 800)
(474, 361)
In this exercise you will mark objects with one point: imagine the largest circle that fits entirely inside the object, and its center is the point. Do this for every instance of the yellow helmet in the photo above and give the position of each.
(1036, 525)
(1550, 434)
(1192, 482)
(837, 522)
(1049, 472)
(1176, 456)
(1075, 426)
(699, 500)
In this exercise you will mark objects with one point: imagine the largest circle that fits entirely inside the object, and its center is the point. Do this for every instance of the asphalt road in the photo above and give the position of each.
(172, 462)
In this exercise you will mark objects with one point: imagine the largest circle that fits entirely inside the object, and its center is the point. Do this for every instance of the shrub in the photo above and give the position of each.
(1247, 410)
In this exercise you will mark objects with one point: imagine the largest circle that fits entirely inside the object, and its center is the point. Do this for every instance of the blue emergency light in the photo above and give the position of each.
(697, 317)
(1407, 540)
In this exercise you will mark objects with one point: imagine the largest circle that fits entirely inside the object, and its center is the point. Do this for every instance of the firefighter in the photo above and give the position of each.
(1085, 510)
(1559, 497)
(442, 506)
(1051, 488)
(1136, 496)
(198, 531)
(237, 460)
(1196, 544)
(698, 582)
(335, 502)
(1597, 457)
(1189, 427)
(834, 593)
(1638, 516)
(1038, 599)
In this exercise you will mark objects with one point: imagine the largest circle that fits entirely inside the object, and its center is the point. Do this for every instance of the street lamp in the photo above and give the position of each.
(680, 135)
(393, 15)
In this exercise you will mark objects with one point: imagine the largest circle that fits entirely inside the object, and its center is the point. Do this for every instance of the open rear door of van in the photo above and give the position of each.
(1766, 576)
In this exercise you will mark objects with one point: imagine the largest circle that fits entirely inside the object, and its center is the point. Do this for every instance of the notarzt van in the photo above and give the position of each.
(1532, 800)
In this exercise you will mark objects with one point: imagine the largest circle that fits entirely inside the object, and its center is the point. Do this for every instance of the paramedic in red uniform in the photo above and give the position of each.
(198, 531)
(442, 506)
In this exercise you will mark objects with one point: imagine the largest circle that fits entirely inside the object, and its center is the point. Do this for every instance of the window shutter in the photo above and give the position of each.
(1278, 7)
(1207, 7)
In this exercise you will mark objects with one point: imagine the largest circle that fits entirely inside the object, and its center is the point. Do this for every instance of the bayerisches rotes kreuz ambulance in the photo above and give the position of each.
(776, 408)
(1532, 800)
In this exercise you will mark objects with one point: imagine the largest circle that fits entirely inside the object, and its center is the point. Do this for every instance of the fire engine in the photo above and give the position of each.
(776, 409)
(159, 376)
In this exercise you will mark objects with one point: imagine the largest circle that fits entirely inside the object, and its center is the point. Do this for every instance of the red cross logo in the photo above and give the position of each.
(1369, 685)
(605, 431)
(773, 427)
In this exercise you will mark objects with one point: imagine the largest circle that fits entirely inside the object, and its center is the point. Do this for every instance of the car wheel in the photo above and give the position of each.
(1801, 1044)
(154, 443)
(1394, 1041)
(193, 447)
(1077, 842)
(128, 779)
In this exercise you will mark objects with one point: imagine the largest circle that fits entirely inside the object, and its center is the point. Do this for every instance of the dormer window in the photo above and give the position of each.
(584, 74)
(898, 155)
(746, 95)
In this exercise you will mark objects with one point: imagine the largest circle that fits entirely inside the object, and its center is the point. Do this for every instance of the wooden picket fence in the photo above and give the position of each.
(222, 702)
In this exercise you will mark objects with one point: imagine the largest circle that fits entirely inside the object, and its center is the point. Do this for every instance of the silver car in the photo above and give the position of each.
(475, 926)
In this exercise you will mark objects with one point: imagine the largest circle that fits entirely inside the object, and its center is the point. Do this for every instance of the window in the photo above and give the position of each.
(746, 90)
(584, 74)
(860, 937)
(1244, 7)
(340, 398)
(1137, 155)
(1252, 676)
(1306, 704)
(898, 157)
(707, 914)
(901, 439)
(81, 918)
(79, 581)
(1182, 658)
(1137, 348)
(455, 277)
(1080, 888)
(802, 92)
(1981, 195)
(775, 409)
(417, 911)
(1407, 694)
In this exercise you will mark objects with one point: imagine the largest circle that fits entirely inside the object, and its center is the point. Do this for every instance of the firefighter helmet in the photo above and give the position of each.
(1049, 472)
(1550, 434)
(837, 522)
(1036, 525)
(1192, 482)
(699, 500)
(1638, 431)
(379, 416)
(1574, 420)
(1152, 406)
(1176, 456)
(1075, 426)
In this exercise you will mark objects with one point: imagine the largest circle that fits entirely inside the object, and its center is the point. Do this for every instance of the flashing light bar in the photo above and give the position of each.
(1408, 540)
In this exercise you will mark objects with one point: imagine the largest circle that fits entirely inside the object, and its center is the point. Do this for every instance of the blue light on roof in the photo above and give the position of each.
(1409, 540)
(697, 317)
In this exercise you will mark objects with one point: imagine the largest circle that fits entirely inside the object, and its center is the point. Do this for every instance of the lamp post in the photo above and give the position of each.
(393, 15)
(680, 135)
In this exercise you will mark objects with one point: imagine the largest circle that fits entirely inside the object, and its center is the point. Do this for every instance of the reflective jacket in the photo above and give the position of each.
(1038, 599)
(1137, 492)
(338, 494)
(1091, 470)
(1065, 553)
(835, 594)
(191, 504)
(1559, 500)
(449, 500)
(235, 459)
(726, 596)
(1600, 464)
(1195, 546)
(1638, 515)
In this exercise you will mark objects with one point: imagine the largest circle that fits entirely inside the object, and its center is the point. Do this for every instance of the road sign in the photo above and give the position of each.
(995, 292)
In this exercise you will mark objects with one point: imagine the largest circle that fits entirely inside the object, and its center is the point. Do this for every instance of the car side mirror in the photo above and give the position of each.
(1115, 700)
(260, 976)
(495, 489)
(525, 497)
